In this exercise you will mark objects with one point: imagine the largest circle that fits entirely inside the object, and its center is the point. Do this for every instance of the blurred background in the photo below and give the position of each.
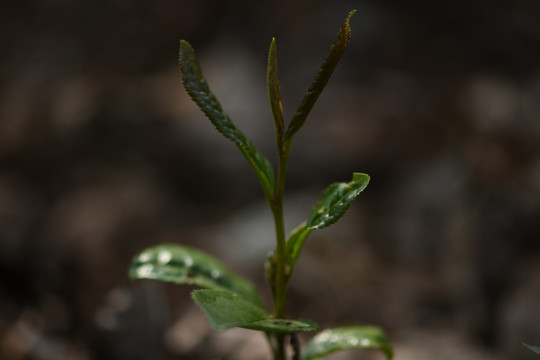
(102, 154)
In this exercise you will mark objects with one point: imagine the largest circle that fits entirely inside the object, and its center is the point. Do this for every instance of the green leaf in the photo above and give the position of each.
(336, 200)
(198, 89)
(343, 338)
(274, 93)
(224, 309)
(534, 349)
(185, 265)
(321, 79)
(284, 326)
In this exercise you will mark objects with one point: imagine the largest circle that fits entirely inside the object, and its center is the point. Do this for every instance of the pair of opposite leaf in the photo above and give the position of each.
(230, 300)
(198, 89)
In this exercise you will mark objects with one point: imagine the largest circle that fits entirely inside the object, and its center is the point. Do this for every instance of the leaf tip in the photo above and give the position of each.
(272, 52)
(347, 26)
(183, 53)
(357, 176)
(184, 44)
(347, 21)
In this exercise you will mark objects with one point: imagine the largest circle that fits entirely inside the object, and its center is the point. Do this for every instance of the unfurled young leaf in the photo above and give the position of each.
(343, 338)
(274, 92)
(185, 265)
(198, 89)
(321, 79)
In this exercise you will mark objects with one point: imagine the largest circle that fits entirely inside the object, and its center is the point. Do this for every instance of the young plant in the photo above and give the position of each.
(227, 299)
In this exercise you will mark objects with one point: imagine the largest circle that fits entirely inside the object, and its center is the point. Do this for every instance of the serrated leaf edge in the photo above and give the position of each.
(329, 189)
(318, 84)
(197, 88)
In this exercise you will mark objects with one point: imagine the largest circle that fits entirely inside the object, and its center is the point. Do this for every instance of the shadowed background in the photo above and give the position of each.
(102, 153)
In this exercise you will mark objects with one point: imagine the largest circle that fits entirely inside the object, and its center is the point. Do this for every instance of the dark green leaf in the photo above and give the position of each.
(283, 326)
(321, 79)
(224, 309)
(198, 89)
(336, 200)
(185, 265)
(274, 92)
(534, 349)
(353, 337)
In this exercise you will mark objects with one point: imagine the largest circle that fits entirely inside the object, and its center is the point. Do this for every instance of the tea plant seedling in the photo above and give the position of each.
(230, 300)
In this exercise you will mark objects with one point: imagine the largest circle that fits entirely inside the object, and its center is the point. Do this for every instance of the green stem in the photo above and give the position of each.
(281, 255)
(280, 286)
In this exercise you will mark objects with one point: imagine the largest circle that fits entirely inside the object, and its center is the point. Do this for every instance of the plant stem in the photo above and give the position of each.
(280, 289)
(280, 286)
(280, 353)
(281, 256)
